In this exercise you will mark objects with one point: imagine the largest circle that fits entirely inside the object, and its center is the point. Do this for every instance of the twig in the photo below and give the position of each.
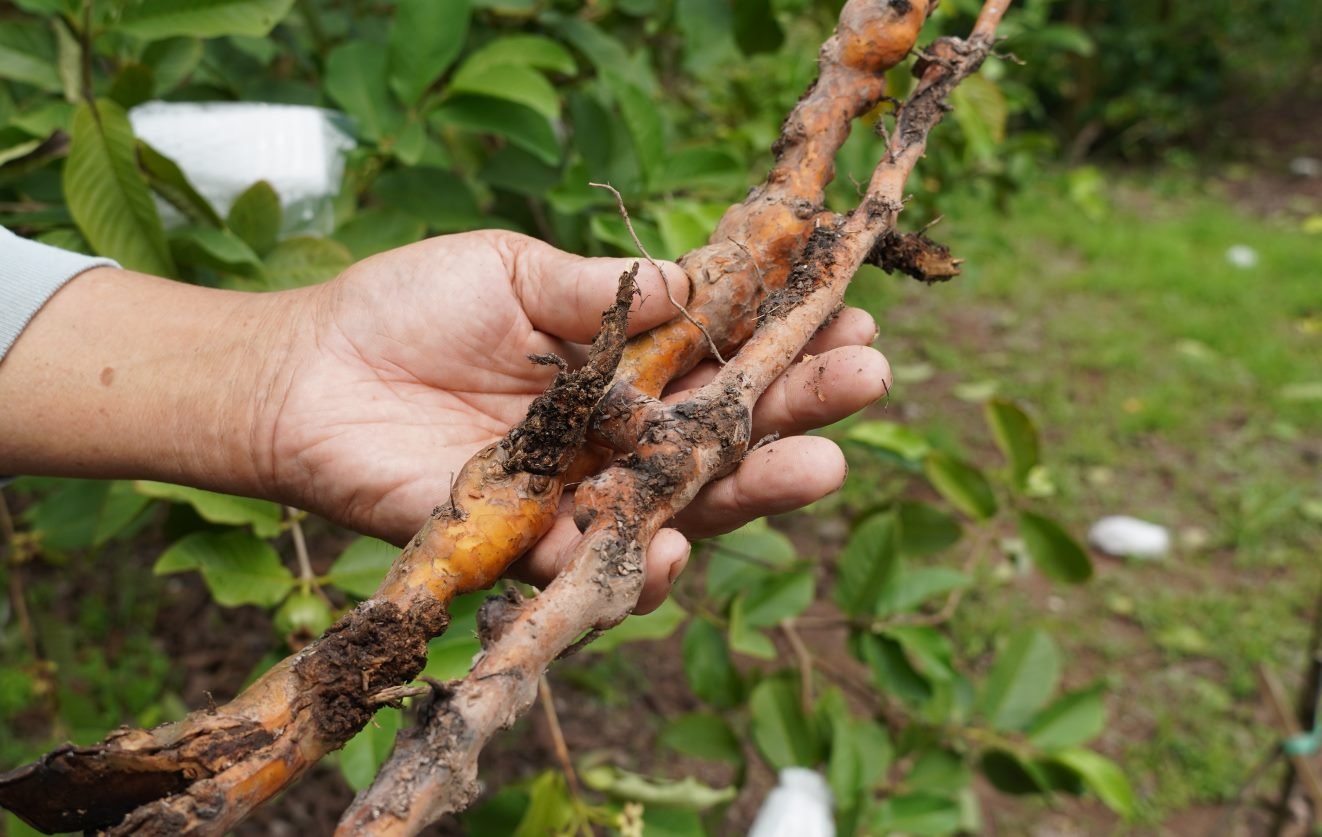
(394, 694)
(624, 213)
(547, 699)
(805, 664)
(17, 596)
(305, 574)
(1289, 726)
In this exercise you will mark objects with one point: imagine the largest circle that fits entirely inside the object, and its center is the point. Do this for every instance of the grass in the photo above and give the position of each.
(1171, 385)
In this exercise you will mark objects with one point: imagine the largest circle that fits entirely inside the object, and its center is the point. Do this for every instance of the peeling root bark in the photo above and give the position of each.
(203, 774)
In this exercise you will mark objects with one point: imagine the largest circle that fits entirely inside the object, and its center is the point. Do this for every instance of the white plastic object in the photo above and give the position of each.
(1129, 537)
(225, 147)
(799, 806)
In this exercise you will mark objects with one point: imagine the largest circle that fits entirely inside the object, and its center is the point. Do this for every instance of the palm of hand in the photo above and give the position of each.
(421, 359)
(413, 360)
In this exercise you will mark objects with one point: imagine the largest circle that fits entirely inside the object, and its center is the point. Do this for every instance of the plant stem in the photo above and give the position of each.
(16, 595)
(307, 578)
(558, 736)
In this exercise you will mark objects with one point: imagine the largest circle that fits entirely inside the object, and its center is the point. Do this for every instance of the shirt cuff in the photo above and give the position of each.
(30, 274)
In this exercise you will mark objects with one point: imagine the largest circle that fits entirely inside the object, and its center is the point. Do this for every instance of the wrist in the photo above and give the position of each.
(123, 375)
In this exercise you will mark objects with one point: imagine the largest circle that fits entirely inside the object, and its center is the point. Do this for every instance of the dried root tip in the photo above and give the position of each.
(549, 437)
(916, 255)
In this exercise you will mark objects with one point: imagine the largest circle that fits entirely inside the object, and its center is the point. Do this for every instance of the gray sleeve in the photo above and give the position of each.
(30, 273)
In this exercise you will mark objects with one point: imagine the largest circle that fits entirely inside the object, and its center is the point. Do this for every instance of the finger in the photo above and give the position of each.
(565, 295)
(852, 327)
(667, 556)
(820, 390)
(780, 477)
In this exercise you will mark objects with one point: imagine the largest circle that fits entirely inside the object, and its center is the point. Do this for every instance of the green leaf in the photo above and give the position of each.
(356, 79)
(646, 129)
(27, 55)
(783, 733)
(304, 260)
(744, 557)
(362, 566)
(917, 814)
(926, 530)
(912, 587)
(108, 195)
(303, 615)
(702, 736)
(15, 144)
(364, 754)
(84, 513)
(707, 665)
(860, 751)
(1102, 776)
(168, 180)
(1022, 680)
(756, 28)
(1074, 719)
(963, 485)
(238, 567)
(264, 517)
(782, 596)
(891, 670)
(1010, 774)
(658, 624)
(715, 168)
(868, 565)
(255, 217)
(939, 771)
(440, 198)
(1015, 435)
(686, 225)
(220, 250)
(890, 437)
(687, 794)
(511, 82)
(926, 649)
(425, 38)
(521, 125)
(550, 809)
(745, 639)
(172, 61)
(450, 655)
(981, 113)
(537, 51)
(379, 229)
(1053, 550)
(132, 85)
(155, 19)
(69, 64)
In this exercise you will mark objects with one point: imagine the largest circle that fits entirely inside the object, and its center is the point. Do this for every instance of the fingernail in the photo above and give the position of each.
(677, 568)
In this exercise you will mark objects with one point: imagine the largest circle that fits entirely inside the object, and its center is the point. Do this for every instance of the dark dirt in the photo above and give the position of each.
(817, 259)
(549, 437)
(370, 648)
(915, 255)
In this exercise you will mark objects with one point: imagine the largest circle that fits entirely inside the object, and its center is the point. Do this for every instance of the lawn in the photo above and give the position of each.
(1172, 385)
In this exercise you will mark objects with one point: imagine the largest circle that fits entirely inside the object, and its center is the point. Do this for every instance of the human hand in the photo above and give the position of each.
(414, 359)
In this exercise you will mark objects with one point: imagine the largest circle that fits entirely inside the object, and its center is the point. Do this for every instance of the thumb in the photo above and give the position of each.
(564, 295)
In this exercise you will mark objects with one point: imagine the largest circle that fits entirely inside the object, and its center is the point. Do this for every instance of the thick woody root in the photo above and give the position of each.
(676, 450)
(756, 241)
(201, 775)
